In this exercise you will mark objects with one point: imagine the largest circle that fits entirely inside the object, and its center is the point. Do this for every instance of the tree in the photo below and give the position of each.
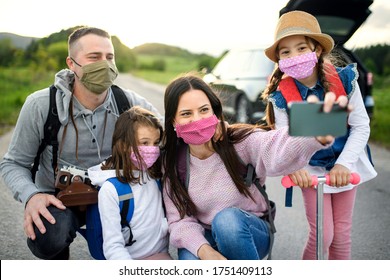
(7, 52)
(386, 62)
(124, 57)
(378, 54)
(59, 52)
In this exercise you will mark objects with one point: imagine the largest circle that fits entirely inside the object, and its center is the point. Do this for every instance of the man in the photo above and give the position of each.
(87, 111)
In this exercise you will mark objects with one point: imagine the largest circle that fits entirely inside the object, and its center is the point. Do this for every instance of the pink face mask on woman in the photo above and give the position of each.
(299, 67)
(149, 154)
(198, 132)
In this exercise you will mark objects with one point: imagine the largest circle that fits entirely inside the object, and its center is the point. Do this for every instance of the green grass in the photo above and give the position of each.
(15, 85)
(380, 124)
(174, 67)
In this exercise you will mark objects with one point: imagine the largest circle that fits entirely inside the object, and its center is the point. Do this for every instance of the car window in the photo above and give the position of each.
(243, 64)
(335, 26)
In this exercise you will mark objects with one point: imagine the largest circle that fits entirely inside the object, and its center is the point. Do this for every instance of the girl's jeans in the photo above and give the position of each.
(237, 235)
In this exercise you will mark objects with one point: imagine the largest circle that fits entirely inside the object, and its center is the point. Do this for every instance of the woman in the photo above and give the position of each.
(218, 217)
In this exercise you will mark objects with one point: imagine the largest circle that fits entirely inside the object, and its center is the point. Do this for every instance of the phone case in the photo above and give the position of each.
(308, 119)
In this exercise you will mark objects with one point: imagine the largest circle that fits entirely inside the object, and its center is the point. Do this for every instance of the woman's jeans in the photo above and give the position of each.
(237, 235)
(54, 244)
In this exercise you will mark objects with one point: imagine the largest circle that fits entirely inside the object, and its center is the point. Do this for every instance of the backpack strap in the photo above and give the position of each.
(289, 90)
(126, 204)
(121, 100)
(51, 128)
(270, 216)
(333, 78)
(252, 178)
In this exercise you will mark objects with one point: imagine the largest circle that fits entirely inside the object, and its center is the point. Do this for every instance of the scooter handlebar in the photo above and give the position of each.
(287, 182)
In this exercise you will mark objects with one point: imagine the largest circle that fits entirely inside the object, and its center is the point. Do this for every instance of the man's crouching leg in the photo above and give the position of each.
(54, 244)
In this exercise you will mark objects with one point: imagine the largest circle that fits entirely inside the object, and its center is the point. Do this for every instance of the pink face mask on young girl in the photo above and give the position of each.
(149, 154)
(198, 132)
(299, 67)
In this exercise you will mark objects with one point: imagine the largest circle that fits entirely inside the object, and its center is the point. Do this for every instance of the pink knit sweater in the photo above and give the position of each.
(211, 188)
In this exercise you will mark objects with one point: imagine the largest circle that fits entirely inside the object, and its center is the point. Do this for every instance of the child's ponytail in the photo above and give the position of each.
(269, 118)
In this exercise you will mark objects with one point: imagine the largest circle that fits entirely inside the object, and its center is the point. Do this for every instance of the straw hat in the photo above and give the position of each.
(299, 23)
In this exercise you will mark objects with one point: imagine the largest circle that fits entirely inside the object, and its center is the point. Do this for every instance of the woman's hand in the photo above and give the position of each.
(218, 135)
(206, 252)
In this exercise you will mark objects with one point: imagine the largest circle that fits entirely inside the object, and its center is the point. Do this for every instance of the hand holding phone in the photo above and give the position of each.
(309, 119)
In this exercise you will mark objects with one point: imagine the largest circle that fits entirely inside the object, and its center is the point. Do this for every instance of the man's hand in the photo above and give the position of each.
(37, 206)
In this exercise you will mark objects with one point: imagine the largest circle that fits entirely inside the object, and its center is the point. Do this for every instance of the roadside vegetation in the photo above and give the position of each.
(380, 123)
(23, 71)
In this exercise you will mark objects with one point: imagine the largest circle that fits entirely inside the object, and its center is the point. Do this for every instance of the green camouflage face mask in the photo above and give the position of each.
(98, 76)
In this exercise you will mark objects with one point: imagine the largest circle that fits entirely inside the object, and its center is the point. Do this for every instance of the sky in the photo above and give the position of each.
(200, 26)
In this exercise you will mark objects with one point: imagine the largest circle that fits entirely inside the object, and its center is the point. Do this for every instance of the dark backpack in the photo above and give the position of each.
(53, 125)
(248, 173)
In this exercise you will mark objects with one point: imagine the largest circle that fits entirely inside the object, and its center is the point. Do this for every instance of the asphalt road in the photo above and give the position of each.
(371, 222)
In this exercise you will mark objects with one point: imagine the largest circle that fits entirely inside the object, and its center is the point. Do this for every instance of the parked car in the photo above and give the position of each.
(242, 74)
(240, 77)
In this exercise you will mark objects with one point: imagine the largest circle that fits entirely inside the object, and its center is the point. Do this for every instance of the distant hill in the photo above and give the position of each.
(161, 49)
(18, 41)
(144, 49)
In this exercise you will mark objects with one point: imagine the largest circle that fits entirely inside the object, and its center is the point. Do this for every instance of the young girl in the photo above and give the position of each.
(217, 217)
(135, 160)
(303, 70)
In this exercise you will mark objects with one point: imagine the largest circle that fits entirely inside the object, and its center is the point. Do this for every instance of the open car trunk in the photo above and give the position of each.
(337, 18)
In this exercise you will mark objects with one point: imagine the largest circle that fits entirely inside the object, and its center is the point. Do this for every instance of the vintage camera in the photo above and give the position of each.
(70, 174)
(75, 192)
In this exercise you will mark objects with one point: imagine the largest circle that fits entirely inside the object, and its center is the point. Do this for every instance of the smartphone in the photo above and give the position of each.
(308, 119)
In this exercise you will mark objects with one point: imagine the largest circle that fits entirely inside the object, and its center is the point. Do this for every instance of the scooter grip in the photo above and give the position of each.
(287, 182)
(354, 179)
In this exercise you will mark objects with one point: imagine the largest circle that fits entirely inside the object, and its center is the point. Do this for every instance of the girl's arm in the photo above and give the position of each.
(359, 123)
(275, 153)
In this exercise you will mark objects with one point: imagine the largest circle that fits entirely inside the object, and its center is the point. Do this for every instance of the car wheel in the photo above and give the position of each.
(242, 110)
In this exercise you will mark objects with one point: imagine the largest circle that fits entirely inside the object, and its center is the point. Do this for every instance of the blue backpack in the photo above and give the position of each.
(93, 231)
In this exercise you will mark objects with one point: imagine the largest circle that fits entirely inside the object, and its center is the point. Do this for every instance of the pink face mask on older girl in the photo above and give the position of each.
(198, 132)
(299, 67)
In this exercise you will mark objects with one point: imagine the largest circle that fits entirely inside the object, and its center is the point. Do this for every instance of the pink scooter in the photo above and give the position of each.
(318, 183)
